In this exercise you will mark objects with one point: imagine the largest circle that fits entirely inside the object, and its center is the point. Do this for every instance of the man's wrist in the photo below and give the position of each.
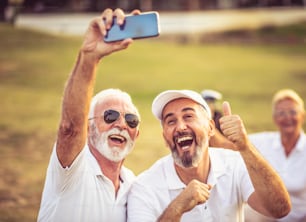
(88, 57)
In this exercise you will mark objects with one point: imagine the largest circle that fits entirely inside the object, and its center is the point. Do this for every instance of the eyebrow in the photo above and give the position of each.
(183, 110)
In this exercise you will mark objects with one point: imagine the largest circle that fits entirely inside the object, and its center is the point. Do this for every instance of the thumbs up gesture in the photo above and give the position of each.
(233, 128)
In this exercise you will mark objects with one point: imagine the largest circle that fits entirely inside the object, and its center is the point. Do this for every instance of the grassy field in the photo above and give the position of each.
(247, 67)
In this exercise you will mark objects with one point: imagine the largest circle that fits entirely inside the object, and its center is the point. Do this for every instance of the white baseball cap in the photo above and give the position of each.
(165, 97)
(211, 94)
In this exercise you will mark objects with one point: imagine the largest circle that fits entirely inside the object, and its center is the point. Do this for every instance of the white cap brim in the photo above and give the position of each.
(165, 97)
(211, 94)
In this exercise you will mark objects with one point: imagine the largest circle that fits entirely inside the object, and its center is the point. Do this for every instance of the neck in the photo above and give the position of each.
(199, 172)
(109, 168)
(289, 141)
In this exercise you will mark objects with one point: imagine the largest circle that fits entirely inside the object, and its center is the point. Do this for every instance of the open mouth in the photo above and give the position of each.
(117, 138)
(184, 142)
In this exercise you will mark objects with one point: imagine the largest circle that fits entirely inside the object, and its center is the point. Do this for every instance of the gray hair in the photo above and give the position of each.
(105, 94)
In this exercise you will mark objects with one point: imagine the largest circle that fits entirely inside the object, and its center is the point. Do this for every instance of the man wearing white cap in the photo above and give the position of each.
(218, 140)
(198, 183)
(211, 97)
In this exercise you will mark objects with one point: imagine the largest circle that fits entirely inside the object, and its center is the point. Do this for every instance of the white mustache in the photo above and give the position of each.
(116, 131)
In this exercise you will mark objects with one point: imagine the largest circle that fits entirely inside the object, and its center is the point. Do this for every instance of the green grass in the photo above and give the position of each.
(35, 66)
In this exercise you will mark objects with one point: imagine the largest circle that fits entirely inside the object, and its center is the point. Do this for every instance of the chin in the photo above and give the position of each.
(114, 153)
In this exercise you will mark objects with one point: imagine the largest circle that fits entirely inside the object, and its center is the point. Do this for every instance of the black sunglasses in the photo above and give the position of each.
(111, 116)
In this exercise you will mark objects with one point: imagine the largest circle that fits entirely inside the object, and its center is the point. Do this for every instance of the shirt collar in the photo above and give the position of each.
(277, 142)
(173, 180)
(217, 169)
(93, 162)
(96, 167)
(300, 145)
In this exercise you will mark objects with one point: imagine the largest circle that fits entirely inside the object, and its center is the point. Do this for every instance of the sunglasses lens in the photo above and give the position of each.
(111, 116)
(132, 120)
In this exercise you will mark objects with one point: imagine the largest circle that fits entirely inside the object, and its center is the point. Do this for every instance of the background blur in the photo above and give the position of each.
(9, 8)
(144, 5)
(247, 50)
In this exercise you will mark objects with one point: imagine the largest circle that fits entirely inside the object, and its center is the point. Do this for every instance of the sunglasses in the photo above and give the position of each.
(111, 116)
(284, 113)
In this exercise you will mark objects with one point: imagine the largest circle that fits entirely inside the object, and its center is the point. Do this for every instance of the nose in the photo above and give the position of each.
(181, 125)
(120, 123)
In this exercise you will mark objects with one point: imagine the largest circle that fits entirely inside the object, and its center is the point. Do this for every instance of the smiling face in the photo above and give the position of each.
(113, 140)
(186, 130)
(288, 116)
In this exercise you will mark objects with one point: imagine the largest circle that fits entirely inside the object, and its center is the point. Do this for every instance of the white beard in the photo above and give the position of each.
(115, 154)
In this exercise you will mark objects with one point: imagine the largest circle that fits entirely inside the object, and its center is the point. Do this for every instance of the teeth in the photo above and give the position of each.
(184, 142)
(118, 137)
(185, 147)
(181, 139)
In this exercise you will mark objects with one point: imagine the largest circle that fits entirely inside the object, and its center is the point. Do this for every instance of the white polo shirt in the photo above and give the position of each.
(155, 188)
(291, 169)
(82, 193)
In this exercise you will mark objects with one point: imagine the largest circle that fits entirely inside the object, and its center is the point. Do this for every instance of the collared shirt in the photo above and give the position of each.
(82, 193)
(290, 168)
(155, 188)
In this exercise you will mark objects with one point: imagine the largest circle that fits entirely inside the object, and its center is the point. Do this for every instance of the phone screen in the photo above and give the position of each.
(135, 26)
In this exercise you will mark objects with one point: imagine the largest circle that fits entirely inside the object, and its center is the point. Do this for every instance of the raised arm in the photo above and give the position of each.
(270, 197)
(72, 131)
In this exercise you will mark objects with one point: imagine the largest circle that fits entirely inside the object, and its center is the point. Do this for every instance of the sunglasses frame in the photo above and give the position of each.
(129, 123)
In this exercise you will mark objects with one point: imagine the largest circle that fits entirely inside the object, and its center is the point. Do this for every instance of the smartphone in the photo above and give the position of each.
(144, 25)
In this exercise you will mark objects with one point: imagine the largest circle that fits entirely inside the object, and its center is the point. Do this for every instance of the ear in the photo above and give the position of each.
(165, 141)
(90, 127)
(212, 128)
(137, 134)
(164, 136)
(303, 116)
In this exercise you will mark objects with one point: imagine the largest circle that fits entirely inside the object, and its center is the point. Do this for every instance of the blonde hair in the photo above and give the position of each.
(287, 94)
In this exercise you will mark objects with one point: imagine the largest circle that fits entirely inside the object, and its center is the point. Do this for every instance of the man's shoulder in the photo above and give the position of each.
(216, 151)
(263, 137)
(128, 174)
(155, 172)
(225, 157)
(267, 134)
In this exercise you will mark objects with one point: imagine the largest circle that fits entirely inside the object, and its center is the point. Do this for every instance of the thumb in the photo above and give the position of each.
(226, 109)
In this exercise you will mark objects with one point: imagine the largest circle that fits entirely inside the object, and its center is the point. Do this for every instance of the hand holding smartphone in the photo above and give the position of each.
(144, 25)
